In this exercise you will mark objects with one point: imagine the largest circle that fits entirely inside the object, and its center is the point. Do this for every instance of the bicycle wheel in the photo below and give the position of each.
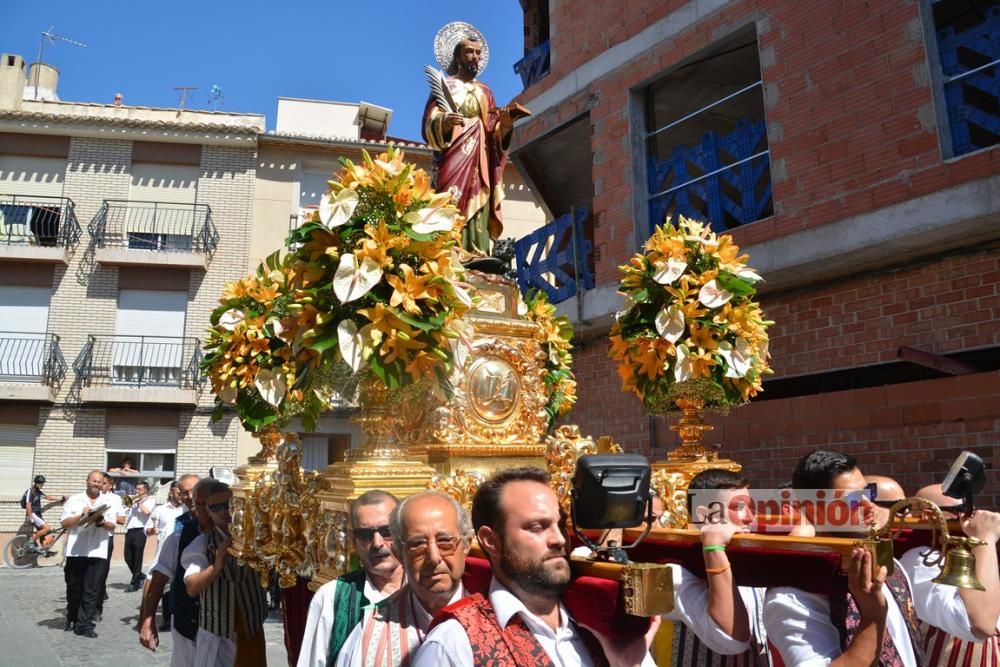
(18, 554)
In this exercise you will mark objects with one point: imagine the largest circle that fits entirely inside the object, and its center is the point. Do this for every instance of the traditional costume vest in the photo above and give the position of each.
(236, 592)
(944, 650)
(185, 608)
(389, 631)
(688, 651)
(845, 615)
(513, 646)
(348, 602)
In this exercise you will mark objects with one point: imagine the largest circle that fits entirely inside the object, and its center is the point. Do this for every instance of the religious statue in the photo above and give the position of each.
(469, 133)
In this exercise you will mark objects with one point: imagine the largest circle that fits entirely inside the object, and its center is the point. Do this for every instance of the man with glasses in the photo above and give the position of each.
(430, 535)
(520, 526)
(337, 606)
(233, 603)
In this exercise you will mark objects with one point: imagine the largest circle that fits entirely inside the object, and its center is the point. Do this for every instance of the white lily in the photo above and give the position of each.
(462, 294)
(271, 385)
(229, 319)
(350, 343)
(713, 296)
(683, 368)
(669, 271)
(335, 210)
(739, 359)
(746, 273)
(390, 168)
(670, 323)
(352, 281)
(427, 220)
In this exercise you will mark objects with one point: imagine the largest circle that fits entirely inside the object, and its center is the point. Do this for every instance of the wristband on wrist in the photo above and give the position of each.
(714, 547)
(716, 570)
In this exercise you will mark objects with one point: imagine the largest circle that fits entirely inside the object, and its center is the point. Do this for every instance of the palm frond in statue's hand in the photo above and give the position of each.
(439, 89)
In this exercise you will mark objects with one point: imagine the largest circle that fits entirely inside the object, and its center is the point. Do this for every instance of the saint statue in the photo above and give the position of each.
(469, 133)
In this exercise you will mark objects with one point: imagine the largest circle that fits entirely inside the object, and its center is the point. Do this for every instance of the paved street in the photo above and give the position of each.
(32, 613)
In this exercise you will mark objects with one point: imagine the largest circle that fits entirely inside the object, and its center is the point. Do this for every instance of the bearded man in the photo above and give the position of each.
(471, 138)
(520, 526)
(430, 536)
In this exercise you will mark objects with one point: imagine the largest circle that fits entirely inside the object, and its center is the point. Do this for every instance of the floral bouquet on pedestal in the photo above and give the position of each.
(691, 334)
(370, 288)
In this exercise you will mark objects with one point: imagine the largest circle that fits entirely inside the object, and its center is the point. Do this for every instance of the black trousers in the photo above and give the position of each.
(105, 570)
(83, 588)
(135, 544)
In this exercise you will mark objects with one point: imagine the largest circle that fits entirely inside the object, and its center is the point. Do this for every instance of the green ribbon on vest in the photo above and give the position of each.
(348, 601)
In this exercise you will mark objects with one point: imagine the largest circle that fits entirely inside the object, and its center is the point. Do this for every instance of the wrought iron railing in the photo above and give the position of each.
(557, 257)
(31, 358)
(156, 226)
(139, 361)
(534, 65)
(38, 221)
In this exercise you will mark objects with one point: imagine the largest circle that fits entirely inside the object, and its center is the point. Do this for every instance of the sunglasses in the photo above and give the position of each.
(218, 507)
(446, 546)
(368, 534)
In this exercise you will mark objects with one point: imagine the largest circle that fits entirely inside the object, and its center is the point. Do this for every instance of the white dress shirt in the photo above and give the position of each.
(936, 604)
(166, 558)
(89, 541)
(448, 644)
(138, 514)
(163, 518)
(691, 608)
(115, 506)
(351, 653)
(319, 622)
(800, 627)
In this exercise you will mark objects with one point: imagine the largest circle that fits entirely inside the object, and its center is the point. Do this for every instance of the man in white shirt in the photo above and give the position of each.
(877, 621)
(337, 606)
(161, 524)
(431, 533)
(115, 513)
(136, 518)
(518, 521)
(86, 551)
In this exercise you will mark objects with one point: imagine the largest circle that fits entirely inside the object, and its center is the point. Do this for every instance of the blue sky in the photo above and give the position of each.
(258, 51)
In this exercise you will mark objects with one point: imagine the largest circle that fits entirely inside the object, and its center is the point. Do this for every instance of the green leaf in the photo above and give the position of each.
(423, 325)
(417, 236)
(322, 344)
(738, 286)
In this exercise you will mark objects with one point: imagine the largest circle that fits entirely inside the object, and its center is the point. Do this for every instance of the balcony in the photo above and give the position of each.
(146, 232)
(37, 228)
(31, 366)
(534, 66)
(139, 369)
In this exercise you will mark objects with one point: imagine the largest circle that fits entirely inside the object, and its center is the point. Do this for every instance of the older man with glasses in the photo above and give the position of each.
(431, 533)
(233, 603)
(338, 605)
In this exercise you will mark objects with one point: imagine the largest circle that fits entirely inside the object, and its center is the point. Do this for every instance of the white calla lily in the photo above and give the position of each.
(352, 281)
(669, 271)
(670, 323)
(739, 358)
(683, 368)
(713, 296)
(427, 220)
(350, 343)
(335, 210)
(229, 319)
(390, 168)
(271, 385)
(746, 273)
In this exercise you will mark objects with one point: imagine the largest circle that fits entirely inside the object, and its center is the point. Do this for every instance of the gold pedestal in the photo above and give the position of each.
(250, 524)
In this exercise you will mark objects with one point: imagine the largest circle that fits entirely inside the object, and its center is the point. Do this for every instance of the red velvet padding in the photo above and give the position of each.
(294, 610)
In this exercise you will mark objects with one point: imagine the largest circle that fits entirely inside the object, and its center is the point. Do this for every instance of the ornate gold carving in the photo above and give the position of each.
(691, 427)
(461, 486)
(492, 302)
(494, 389)
(670, 481)
(562, 449)
(647, 589)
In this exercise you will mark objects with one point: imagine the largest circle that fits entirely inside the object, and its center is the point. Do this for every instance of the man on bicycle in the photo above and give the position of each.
(31, 501)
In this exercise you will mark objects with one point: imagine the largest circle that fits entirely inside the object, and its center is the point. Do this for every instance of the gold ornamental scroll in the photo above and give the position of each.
(250, 525)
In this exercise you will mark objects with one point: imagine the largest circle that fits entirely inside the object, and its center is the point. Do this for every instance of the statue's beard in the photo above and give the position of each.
(469, 69)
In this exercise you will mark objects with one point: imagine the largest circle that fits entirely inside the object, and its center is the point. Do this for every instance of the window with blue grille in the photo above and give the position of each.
(707, 154)
(967, 33)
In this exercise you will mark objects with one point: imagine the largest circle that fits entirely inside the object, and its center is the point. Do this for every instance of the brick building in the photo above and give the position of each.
(850, 148)
(120, 226)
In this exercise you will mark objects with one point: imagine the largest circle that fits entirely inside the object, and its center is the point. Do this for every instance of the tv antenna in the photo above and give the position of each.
(51, 38)
(184, 94)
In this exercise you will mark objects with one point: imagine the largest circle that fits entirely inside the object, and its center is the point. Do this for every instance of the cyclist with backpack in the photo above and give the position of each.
(31, 503)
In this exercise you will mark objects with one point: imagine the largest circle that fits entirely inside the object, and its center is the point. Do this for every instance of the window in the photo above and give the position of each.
(707, 154)
(17, 456)
(152, 449)
(31, 199)
(161, 215)
(24, 318)
(321, 449)
(967, 33)
(148, 346)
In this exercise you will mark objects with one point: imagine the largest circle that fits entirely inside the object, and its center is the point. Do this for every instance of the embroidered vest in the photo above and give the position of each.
(348, 601)
(847, 618)
(236, 585)
(944, 650)
(688, 650)
(389, 632)
(184, 607)
(513, 646)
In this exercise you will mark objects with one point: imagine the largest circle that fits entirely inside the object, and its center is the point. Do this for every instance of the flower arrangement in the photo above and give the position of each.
(370, 285)
(556, 334)
(690, 328)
